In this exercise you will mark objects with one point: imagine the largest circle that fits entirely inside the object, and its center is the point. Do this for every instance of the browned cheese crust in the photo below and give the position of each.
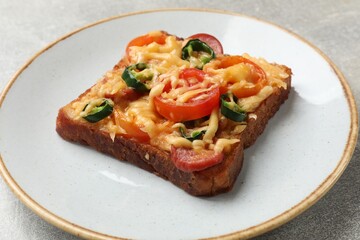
(211, 181)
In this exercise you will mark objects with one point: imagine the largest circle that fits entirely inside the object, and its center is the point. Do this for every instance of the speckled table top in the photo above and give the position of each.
(333, 26)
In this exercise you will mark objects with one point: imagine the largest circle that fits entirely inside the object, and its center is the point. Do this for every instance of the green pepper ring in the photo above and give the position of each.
(132, 81)
(99, 112)
(197, 45)
(193, 136)
(231, 110)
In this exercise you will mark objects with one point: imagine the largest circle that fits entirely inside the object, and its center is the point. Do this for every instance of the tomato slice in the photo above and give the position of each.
(210, 40)
(255, 82)
(190, 110)
(132, 130)
(193, 109)
(146, 40)
(192, 73)
(189, 160)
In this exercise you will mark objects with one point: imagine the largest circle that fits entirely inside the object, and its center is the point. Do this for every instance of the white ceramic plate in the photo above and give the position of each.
(302, 153)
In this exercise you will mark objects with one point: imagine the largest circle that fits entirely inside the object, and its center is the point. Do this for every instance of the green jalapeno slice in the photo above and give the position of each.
(138, 76)
(230, 109)
(197, 53)
(98, 112)
(193, 136)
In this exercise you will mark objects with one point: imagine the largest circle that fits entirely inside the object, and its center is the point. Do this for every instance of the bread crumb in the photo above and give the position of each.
(147, 156)
(112, 136)
(253, 116)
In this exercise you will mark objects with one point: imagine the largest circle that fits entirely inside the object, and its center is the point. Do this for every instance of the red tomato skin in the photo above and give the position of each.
(210, 40)
(190, 110)
(189, 160)
(133, 131)
(188, 73)
(246, 91)
(146, 40)
(193, 109)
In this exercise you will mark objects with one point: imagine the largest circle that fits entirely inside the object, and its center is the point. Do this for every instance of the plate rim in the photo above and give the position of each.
(253, 231)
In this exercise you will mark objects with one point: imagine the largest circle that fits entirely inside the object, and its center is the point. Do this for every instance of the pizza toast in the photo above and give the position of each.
(179, 108)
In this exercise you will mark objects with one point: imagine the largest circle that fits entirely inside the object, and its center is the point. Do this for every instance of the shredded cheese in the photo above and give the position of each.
(223, 143)
(250, 104)
(179, 142)
(213, 126)
(142, 113)
(164, 61)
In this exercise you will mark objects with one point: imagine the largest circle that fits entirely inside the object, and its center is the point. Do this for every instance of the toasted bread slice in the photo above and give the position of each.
(205, 182)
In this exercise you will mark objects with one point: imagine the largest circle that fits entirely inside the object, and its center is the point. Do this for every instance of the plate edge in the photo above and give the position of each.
(253, 231)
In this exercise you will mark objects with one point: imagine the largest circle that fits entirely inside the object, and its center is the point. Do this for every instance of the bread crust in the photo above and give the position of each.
(211, 181)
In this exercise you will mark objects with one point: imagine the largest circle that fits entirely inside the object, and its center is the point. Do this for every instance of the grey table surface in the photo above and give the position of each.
(333, 26)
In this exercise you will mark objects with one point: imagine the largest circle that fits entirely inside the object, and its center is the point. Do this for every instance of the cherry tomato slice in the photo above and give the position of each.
(132, 130)
(146, 40)
(194, 108)
(256, 80)
(189, 160)
(189, 73)
(210, 40)
(191, 110)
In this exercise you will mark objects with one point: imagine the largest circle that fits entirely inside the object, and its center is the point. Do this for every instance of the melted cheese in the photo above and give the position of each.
(167, 54)
(213, 126)
(155, 91)
(142, 113)
(111, 84)
(165, 63)
(250, 104)
(274, 73)
(223, 144)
